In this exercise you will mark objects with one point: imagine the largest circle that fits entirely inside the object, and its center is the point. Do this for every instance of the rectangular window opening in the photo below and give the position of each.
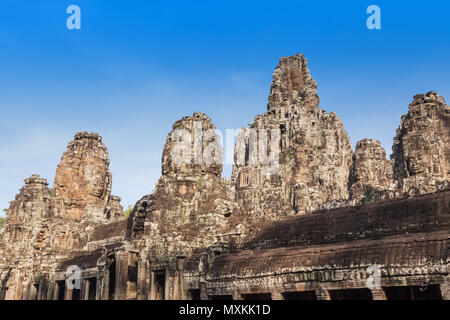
(431, 292)
(92, 288)
(61, 289)
(257, 296)
(194, 294)
(351, 294)
(300, 295)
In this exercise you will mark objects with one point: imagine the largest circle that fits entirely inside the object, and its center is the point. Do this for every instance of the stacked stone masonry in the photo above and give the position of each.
(315, 228)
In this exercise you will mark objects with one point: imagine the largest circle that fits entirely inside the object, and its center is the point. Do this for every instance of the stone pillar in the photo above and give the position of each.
(40, 294)
(143, 284)
(85, 285)
(103, 291)
(25, 285)
(179, 292)
(32, 292)
(168, 284)
(277, 295)
(237, 296)
(98, 286)
(203, 293)
(9, 294)
(49, 290)
(68, 295)
(121, 276)
(55, 292)
(378, 294)
(19, 286)
(322, 294)
(445, 289)
(151, 292)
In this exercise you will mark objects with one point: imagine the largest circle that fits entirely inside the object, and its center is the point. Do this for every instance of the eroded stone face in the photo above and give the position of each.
(292, 84)
(83, 178)
(421, 150)
(188, 208)
(193, 147)
(371, 175)
(32, 203)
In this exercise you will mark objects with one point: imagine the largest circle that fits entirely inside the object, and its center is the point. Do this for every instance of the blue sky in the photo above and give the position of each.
(135, 67)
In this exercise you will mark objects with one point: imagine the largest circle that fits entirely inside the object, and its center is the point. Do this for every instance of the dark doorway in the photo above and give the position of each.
(257, 296)
(223, 297)
(160, 285)
(300, 295)
(112, 279)
(431, 292)
(92, 288)
(398, 293)
(76, 294)
(4, 289)
(61, 289)
(194, 294)
(351, 294)
(132, 279)
(3, 293)
(36, 291)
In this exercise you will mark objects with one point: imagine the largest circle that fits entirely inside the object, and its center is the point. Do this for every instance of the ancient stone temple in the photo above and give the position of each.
(421, 156)
(303, 217)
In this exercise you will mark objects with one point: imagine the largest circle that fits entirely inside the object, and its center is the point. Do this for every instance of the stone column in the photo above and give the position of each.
(203, 293)
(49, 290)
(322, 294)
(378, 294)
(445, 289)
(169, 284)
(55, 292)
(179, 293)
(143, 281)
(121, 276)
(19, 287)
(41, 290)
(68, 295)
(236, 296)
(85, 289)
(103, 289)
(276, 295)
(151, 292)
(98, 287)
(32, 292)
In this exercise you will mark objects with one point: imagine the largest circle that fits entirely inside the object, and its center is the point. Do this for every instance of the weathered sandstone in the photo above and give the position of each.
(315, 221)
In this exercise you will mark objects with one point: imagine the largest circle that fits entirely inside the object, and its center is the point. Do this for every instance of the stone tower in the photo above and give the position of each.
(82, 182)
(371, 175)
(421, 150)
(191, 200)
(314, 150)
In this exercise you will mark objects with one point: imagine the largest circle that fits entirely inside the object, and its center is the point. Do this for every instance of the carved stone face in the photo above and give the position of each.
(418, 164)
(192, 147)
(83, 172)
(95, 178)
